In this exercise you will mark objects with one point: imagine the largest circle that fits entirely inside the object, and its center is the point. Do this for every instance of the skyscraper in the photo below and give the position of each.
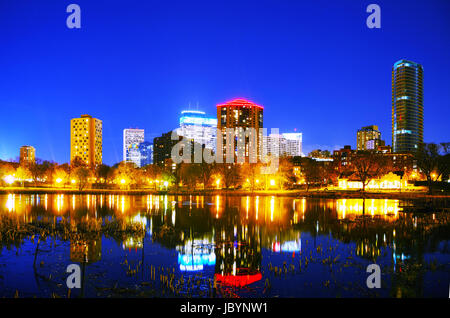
(195, 126)
(27, 155)
(86, 140)
(240, 114)
(407, 106)
(145, 153)
(131, 140)
(366, 134)
(162, 148)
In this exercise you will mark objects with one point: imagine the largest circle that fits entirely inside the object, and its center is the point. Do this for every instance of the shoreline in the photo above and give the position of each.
(332, 194)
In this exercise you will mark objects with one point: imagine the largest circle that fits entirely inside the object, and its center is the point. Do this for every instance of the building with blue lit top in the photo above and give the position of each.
(195, 126)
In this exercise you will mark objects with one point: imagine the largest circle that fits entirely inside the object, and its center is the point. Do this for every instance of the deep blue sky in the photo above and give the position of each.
(314, 65)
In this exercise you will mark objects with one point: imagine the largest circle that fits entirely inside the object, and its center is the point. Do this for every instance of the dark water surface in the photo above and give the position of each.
(196, 246)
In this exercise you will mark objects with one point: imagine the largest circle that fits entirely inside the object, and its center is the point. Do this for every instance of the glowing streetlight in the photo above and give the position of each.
(272, 182)
(123, 181)
(73, 181)
(58, 180)
(9, 179)
(218, 183)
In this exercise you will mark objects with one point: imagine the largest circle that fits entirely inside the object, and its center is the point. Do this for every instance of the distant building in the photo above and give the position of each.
(162, 148)
(343, 156)
(368, 136)
(131, 140)
(407, 106)
(240, 114)
(86, 140)
(146, 153)
(286, 144)
(374, 144)
(195, 126)
(27, 155)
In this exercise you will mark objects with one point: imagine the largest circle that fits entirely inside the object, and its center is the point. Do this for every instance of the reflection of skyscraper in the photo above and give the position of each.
(407, 106)
(195, 254)
(238, 255)
(195, 126)
(131, 140)
(86, 251)
(86, 140)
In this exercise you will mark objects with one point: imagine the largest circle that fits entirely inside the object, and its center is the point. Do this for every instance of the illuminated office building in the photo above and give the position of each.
(195, 126)
(27, 155)
(86, 140)
(145, 153)
(368, 136)
(407, 106)
(131, 140)
(240, 114)
(287, 144)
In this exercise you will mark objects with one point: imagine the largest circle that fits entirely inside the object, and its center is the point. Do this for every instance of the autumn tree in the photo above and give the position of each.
(368, 165)
(250, 172)
(22, 173)
(82, 175)
(152, 172)
(433, 160)
(190, 174)
(312, 172)
(206, 172)
(102, 173)
(229, 173)
(285, 172)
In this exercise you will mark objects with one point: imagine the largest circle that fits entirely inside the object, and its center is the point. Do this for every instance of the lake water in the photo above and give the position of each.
(217, 246)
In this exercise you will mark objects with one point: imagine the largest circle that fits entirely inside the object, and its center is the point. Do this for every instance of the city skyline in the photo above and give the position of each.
(323, 78)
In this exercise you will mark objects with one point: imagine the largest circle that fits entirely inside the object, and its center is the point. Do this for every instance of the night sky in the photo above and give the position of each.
(313, 65)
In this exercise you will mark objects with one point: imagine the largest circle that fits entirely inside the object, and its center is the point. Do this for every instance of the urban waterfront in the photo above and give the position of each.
(218, 246)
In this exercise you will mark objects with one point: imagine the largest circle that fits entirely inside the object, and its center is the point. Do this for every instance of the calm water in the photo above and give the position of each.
(250, 246)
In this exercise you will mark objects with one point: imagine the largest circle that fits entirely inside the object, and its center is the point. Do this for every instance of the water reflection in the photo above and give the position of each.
(239, 244)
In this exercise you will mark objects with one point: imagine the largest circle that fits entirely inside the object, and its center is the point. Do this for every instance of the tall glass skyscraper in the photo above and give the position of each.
(407, 106)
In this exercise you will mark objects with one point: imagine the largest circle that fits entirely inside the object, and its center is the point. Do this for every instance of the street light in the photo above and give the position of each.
(218, 183)
(9, 179)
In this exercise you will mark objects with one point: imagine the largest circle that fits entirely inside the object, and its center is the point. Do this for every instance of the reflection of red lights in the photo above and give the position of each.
(237, 280)
(276, 247)
(240, 102)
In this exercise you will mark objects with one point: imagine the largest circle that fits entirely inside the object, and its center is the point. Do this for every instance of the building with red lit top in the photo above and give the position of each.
(240, 114)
